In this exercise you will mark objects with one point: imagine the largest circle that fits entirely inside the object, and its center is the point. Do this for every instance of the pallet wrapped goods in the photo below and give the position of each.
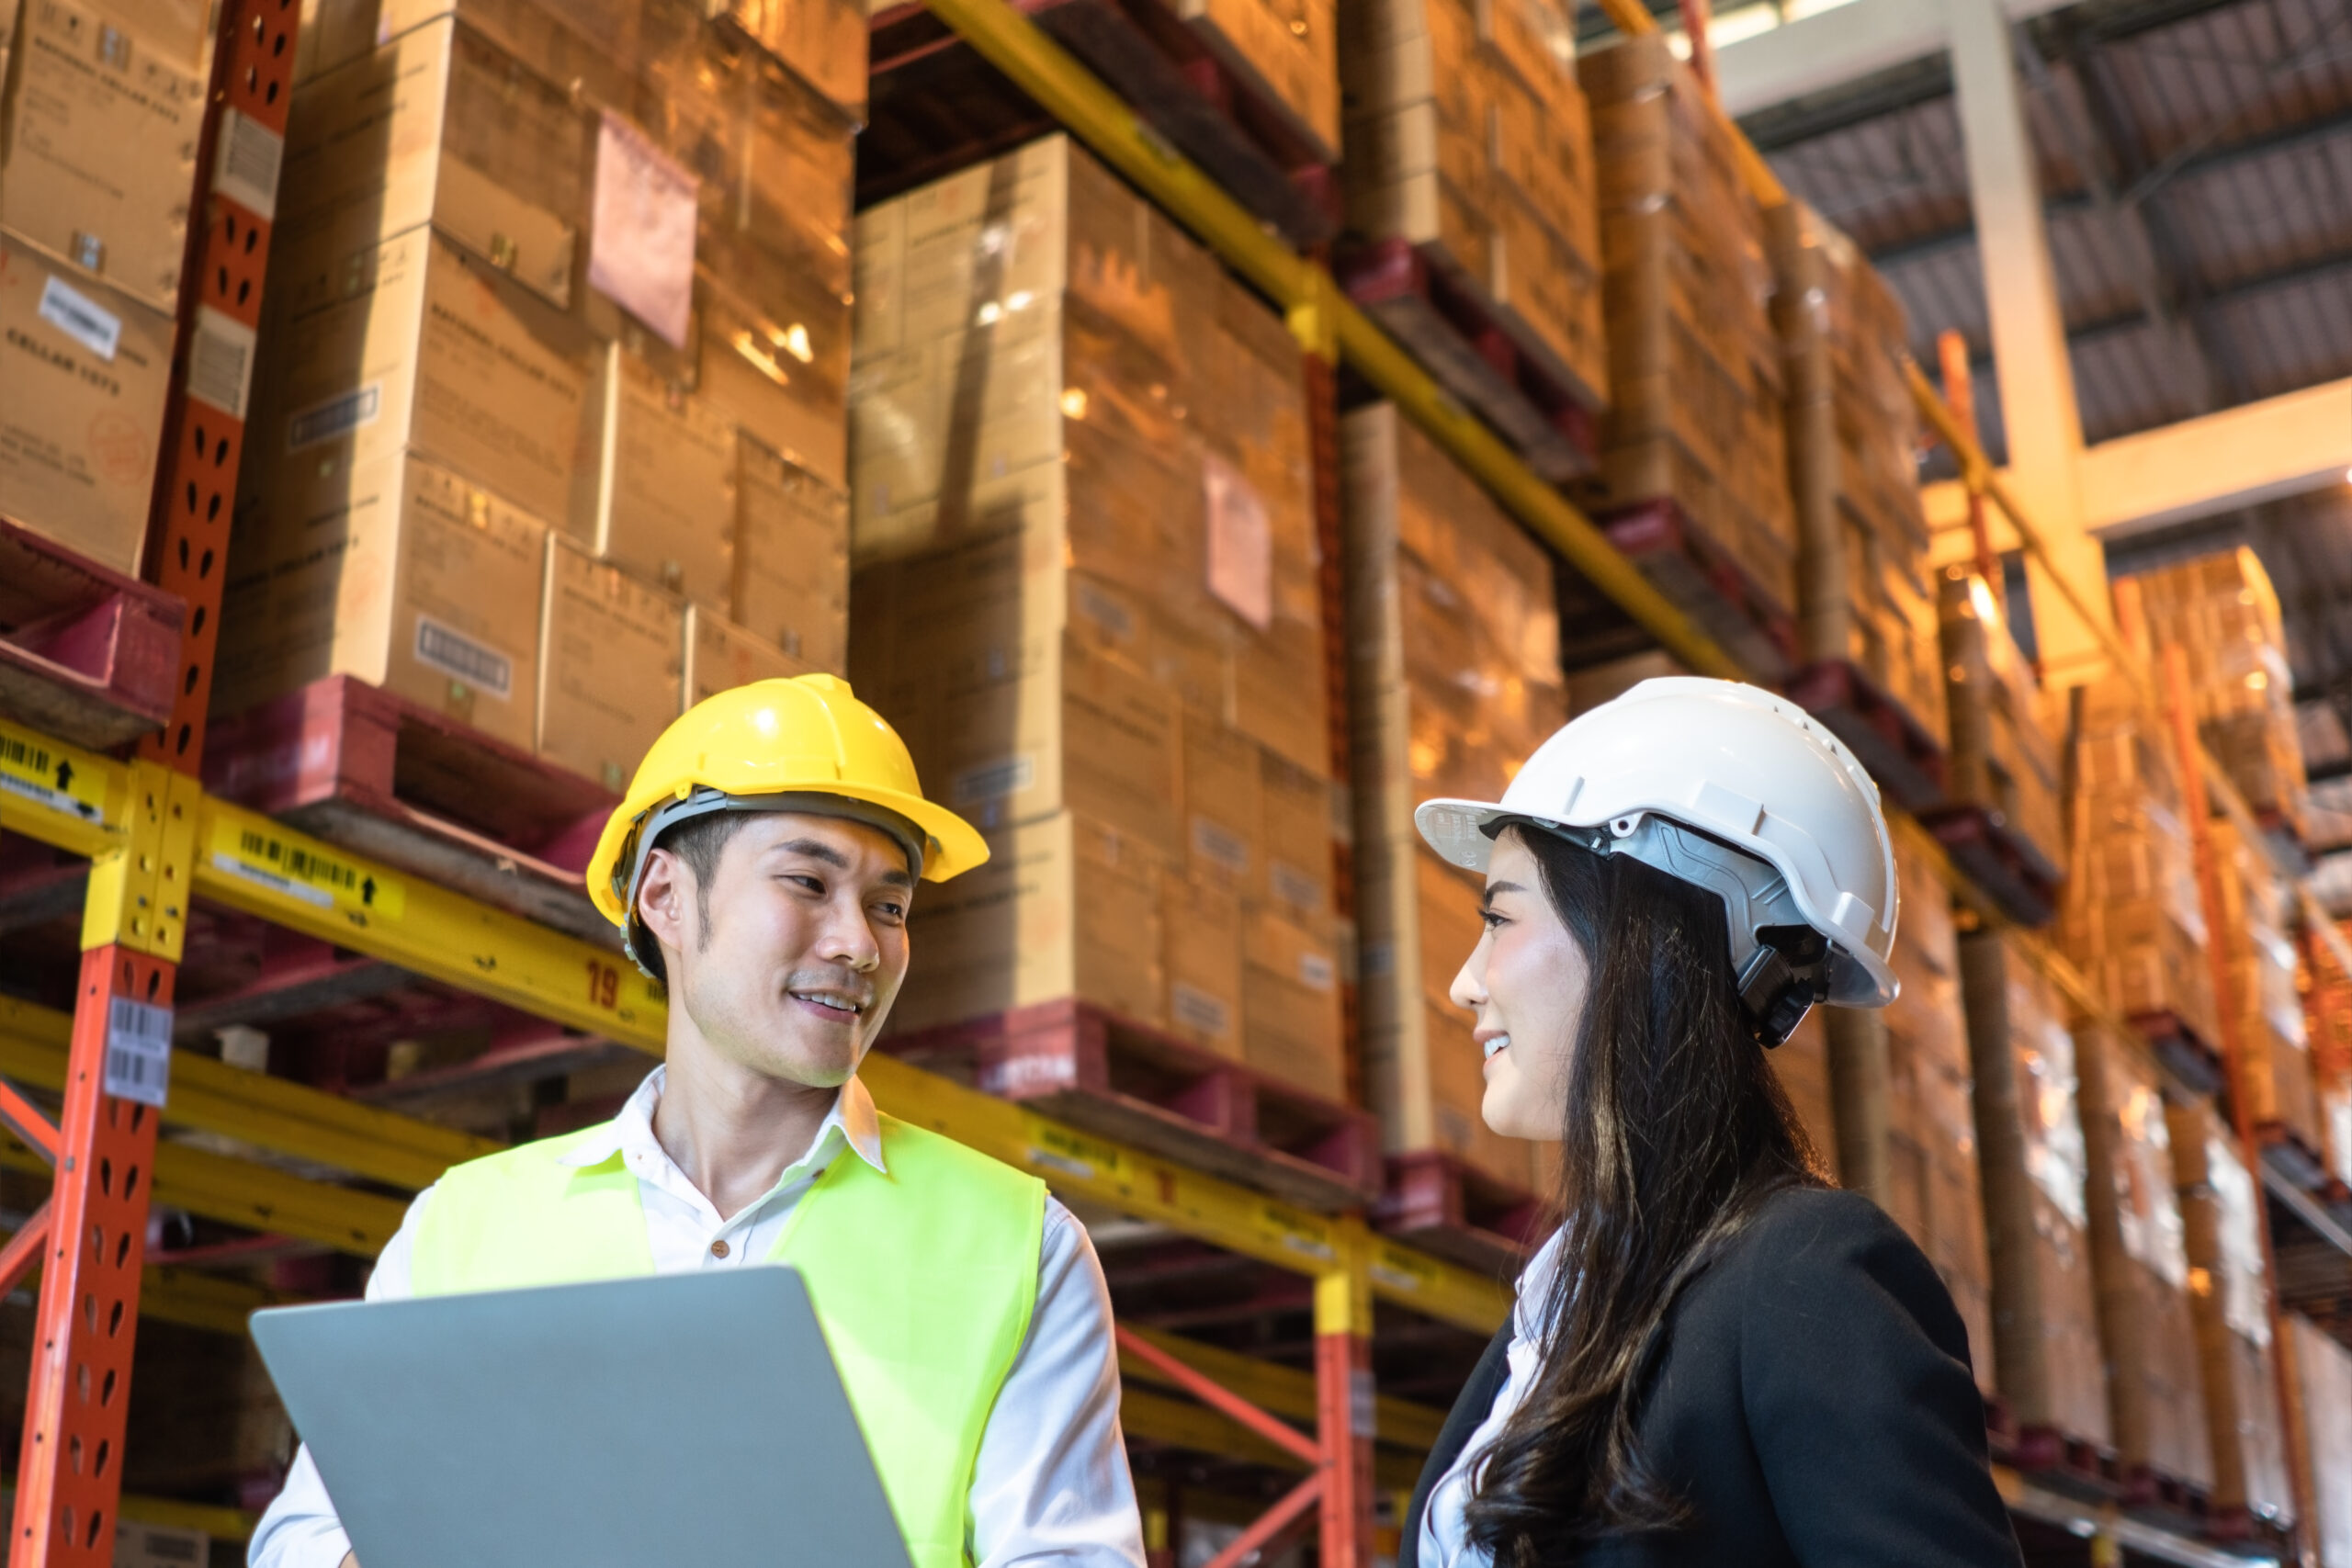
(525, 282)
(2324, 1369)
(1865, 592)
(1454, 655)
(2140, 1260)
(2222, 1210)
(1695, 406)
(1086, 593)
(2271, 1069)
(2004, 759)
(1289, 53)
(2223, 613)
(1469, 146)
(1932, 1185)
(2133, 921)
(2327, 1017)
(2030, 1149)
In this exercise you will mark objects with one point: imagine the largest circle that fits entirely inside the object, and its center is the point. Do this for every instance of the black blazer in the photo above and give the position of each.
(1813, 1403)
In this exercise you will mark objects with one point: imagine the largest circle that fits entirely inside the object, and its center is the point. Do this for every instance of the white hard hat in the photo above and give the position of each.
(1788, 828)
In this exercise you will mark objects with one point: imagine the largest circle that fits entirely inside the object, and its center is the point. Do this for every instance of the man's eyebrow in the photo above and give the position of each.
(1487, 895)
(816, 849)
(898, 879)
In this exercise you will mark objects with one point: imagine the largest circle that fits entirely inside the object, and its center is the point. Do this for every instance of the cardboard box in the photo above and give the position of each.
(399, 572)
(592, 42)
(1063, 908)
(774, 356)
(85, 372)
(821, 41)
(1290, 1006)
(720, 656)
(1295, 838)
(441, 125)
(791, 557)
(99, 137)
(412, 342)
(1222, 806)
(611, 649)
(1201, 926)
(663, 500)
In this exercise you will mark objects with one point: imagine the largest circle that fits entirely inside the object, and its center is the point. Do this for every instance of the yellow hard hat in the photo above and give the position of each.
(808, 738)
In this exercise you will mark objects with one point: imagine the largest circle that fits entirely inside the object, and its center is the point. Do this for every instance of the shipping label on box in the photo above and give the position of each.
(441, 125)
(398, 572)
(413, 342)
(664, 501)
(720, 656)
(610, 655)
(100, 137)
(84, 373)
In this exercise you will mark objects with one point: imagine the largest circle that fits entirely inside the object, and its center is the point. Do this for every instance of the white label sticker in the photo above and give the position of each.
(1196, 1009)
(458, 656)
(81, 318)
(642, 251)
(1241, 544)
(221, 361)
(1316, 971)
(139, 1051)
(338, 416)
(246, 170)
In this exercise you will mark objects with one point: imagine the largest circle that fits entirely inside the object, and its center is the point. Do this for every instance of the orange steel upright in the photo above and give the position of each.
(69, 1476)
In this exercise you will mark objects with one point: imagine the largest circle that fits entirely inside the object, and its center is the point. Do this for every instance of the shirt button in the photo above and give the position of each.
(719, 1247)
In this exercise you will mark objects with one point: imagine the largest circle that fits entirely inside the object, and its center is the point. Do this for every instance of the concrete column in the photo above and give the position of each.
(2036, 381)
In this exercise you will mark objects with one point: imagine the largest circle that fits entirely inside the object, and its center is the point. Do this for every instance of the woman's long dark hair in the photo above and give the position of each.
(1674, 1132)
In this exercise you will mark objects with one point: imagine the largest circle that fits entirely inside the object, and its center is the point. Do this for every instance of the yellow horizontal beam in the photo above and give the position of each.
(253, 1108)
(170, 1513)
(1281, 1390)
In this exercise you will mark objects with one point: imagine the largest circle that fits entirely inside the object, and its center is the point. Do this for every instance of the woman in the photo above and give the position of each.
(1717, 1360)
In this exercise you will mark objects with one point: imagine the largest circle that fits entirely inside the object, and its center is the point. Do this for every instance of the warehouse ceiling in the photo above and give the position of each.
(2195, 159)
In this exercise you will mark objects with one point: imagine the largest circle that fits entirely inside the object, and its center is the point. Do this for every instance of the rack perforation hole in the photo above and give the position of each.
(73, 1453)
(106, 1175)
(97, 1522)
(106, 1452)
(122, 1249)
(106, 1387)
(188, 687)
(114, 1321)
(129, 1183)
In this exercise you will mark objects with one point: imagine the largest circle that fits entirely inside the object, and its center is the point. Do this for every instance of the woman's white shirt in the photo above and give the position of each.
(1444, 1542)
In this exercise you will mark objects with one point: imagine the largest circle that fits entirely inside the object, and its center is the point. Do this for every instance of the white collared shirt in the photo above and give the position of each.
(1444, 1541)
(1051, 1482)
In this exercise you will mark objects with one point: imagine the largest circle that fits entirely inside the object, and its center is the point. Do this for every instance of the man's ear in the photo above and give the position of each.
(662, 897)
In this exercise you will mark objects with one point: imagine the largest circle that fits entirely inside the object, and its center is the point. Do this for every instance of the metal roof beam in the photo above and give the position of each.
(1829, 49)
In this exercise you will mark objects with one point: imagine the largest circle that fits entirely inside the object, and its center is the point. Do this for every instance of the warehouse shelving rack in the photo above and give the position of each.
(156, 840)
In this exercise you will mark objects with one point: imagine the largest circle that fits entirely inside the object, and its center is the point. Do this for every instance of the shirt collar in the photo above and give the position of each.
(853, 1116)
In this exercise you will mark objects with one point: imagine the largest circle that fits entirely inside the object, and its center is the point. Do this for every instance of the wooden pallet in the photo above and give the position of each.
(2161, 1499)
(1074, 1062)
(416, 789)
(2187, 1055)
(1905, 760)
(87, 655)
(934, 107)
(1496, 367)
(1438, 1203)
(2067, 1463)
(1699, 578)
(2002, 862)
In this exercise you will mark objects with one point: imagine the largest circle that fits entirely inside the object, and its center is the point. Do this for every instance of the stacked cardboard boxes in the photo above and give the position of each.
(1865, 592)
(2223, 613)
(1932, 1184)
(2327, 1019)
(2029, 1144)
(2134, 919)
(2138, 1257)
(2324, 1366)
(2271, 1068)
(552, 398)
(2220, 1209)
(1468, 138)
(1086, 594)
(1695, 385)
(1288, 51)
(101, 105)
(2003, 756)
(1455, 660)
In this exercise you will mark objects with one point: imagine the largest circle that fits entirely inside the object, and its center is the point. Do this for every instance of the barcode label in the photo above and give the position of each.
(455, 654)
(221, 361)
(139, 1051)
(246, 172)
(1219, 845)
(81, 318)
(336, 417)
(298, 871)
(1196, 1009)
(50, 778)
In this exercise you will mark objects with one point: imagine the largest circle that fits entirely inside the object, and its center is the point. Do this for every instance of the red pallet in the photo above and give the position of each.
(934, 107)
(2184, 1053)
(2165, 1499)
(1906, 761)
(1076, 1063)
(1509, 375)
(87, 655)
(1437, 1203)
(2064, 1462)
(400, 782)
(1697, 577)
(2001, 861)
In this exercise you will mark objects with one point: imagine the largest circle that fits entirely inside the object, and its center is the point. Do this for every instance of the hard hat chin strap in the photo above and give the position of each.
(1780, 961)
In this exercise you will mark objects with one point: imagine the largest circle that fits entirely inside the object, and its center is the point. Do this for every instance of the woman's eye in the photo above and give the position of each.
(1492, 920)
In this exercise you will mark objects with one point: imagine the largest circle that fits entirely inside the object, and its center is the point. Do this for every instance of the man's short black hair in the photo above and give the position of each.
(699, 841)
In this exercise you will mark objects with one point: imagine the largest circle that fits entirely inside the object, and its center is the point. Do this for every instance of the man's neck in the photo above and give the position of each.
(732, 1131)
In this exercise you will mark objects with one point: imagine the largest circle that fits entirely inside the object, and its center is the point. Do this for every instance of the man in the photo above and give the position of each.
(761, 866)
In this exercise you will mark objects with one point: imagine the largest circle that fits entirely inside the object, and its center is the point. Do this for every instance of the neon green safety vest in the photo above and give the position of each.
(923, 1280)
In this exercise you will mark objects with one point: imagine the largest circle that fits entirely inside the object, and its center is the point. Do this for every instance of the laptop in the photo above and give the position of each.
(689, 1418)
